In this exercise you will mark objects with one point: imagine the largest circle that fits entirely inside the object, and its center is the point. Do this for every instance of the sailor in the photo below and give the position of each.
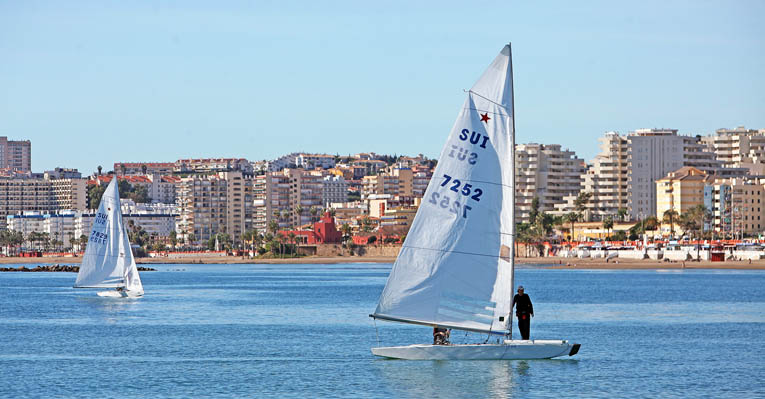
(524, 310)
(440, 336)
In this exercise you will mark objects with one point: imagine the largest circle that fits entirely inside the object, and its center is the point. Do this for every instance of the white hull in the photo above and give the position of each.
(120, 294)
(510, 350)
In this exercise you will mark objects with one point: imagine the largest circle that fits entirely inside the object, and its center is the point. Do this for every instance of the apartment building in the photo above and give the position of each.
(287, 197)
(15, 154)
(623, 175)
(20, 195)
(398, 182)
(737, 205)
(62, 173)
(545, 172)
(213, 165)
(335, 189)
(143, 168)
(60, 226)
(680, 191)
(70, 193)
(211, 204)
(739, 148)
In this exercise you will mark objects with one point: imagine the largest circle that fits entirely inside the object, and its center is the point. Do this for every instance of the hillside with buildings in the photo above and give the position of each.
(654, 178)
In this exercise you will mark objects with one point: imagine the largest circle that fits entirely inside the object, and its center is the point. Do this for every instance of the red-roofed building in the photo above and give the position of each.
(324, 232)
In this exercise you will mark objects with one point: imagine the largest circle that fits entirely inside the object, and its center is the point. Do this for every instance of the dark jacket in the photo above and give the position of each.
(522, 304)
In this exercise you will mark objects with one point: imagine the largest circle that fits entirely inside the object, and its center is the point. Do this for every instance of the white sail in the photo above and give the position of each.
(455, 267)
(108, 260)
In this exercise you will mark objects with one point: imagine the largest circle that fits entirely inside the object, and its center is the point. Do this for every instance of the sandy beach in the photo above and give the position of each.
(551, 262)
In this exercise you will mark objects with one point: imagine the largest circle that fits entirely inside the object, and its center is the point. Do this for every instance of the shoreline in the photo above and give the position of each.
(552, 262)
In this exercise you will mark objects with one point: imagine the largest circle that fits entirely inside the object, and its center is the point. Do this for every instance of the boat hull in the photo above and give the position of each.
(509, 350)
(120, 294)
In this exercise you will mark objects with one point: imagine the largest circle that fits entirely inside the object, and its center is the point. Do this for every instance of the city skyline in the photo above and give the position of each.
(93, 83)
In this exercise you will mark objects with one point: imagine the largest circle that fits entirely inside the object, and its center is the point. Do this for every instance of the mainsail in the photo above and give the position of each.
(108, 260)
(455, 267)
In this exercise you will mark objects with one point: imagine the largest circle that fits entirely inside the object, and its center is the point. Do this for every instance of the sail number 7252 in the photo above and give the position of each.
(466, 190)
(454, 206)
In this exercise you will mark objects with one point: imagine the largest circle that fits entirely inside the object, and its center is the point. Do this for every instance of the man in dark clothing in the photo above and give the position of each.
(524, 310)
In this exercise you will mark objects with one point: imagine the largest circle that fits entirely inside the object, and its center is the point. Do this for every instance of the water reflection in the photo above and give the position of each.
(110, 310)
(492, 379)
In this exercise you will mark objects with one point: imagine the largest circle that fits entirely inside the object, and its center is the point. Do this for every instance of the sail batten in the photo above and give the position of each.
(457, 245)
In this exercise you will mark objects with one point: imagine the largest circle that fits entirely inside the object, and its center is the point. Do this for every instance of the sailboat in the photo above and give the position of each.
(455, 269)
(108, 261)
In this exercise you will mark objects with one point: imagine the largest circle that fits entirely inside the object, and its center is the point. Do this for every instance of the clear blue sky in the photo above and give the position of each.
(93, 83)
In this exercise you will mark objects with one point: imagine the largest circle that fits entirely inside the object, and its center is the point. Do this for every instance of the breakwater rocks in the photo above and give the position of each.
(58, 268)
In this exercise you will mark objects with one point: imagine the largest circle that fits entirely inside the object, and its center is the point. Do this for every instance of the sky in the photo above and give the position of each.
(97, 82)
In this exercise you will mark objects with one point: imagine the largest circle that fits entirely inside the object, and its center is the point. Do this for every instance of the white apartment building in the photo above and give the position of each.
(59, 226)
(547, 173)
(335, 189)
(70, 193)
(739, 148)
(313, 161)
(154, 224)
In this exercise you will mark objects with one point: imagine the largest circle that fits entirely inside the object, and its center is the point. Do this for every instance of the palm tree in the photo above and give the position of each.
(669, 217)
(621, 213)
(571, 217)
(580, 203)
(292, 238)
(273, 227)
(314, 211)
(346, 230)
(299, 213)
(608, 224)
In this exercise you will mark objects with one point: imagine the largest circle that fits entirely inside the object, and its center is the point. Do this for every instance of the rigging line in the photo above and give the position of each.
(456, 252)
(489, 182)
(487, 99)
(487, 111)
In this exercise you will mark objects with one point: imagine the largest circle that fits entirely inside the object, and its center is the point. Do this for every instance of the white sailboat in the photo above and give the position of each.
(108, 261)
(455, 269)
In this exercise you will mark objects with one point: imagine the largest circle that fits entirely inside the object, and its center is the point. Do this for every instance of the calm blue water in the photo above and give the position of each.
(303, 331)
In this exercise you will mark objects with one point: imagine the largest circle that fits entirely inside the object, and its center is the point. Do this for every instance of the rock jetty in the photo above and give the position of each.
(58, 268)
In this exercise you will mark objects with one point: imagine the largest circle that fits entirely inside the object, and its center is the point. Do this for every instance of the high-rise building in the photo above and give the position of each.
(20, 195)
(739, 148)
(623, 175)
(545, 172)
(15, 154)
(291, 197)
(211, 204)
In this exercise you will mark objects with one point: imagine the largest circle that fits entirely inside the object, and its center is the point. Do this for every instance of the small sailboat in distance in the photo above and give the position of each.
(455, 269)
(108, 261)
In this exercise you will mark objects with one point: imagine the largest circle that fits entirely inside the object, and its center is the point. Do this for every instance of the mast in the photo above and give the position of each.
(512, 193)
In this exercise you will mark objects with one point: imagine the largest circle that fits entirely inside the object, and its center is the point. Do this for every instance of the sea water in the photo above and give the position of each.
(304, 331)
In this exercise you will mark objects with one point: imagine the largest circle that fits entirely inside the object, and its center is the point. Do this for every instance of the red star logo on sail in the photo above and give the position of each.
(485, 117)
